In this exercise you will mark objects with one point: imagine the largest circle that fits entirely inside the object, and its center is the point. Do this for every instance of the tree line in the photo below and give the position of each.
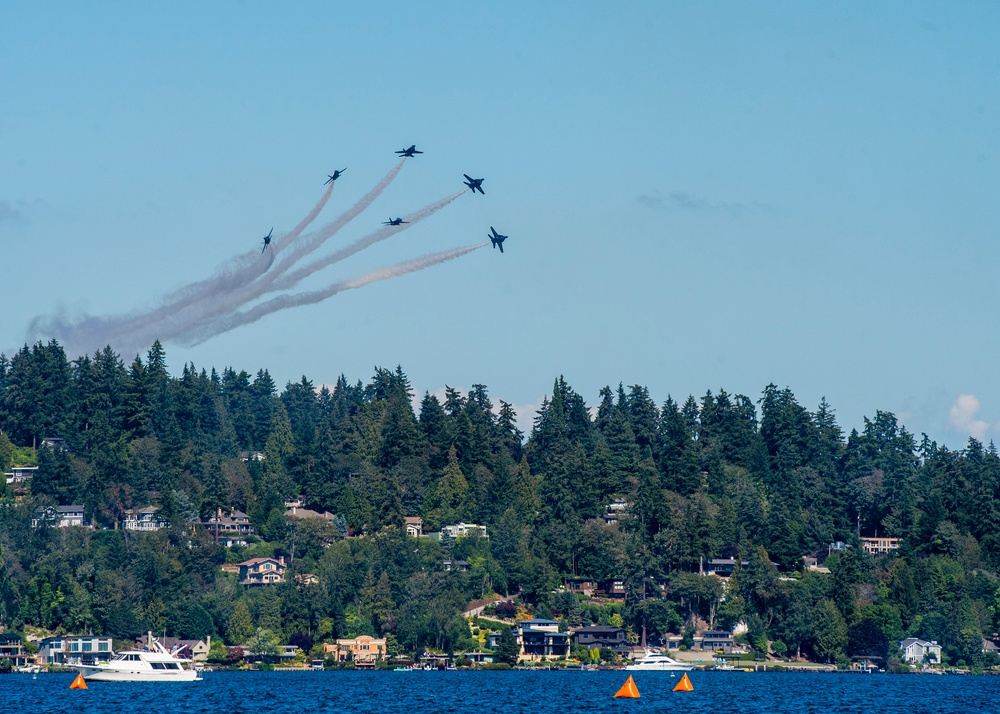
(763, 481)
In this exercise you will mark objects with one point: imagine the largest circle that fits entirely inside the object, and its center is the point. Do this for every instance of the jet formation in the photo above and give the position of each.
(496, 238)
(474, 184)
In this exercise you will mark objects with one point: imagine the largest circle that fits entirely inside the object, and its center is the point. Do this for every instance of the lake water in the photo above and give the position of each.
(514, 692)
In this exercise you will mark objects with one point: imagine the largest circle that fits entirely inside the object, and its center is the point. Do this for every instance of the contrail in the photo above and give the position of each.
(238, 271)
(311, 242)
(203, 309)
(89, 333)
(138, 329)
(293, 278)
(203, 313)
(283, 302)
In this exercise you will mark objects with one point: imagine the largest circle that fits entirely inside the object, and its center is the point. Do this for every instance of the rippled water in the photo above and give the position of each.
(514, 692)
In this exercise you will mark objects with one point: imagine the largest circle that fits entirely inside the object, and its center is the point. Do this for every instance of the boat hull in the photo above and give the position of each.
(662, 667)
(104, 674)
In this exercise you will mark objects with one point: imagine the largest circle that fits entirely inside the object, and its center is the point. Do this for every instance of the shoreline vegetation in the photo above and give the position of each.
(137, 501)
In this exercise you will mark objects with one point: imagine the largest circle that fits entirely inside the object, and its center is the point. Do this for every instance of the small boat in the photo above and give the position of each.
(155, 664)
(657, 662)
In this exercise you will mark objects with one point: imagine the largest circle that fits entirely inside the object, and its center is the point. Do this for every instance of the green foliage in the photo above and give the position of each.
(507, 647)
(721, 476)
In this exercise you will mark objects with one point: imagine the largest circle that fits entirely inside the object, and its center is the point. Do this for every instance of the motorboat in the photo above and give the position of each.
(154, 664)
(658, 662)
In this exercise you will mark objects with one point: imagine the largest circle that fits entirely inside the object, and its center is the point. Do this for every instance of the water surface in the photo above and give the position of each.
(514, 692)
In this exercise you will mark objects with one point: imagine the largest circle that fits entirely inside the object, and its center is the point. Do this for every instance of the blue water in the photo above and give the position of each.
(514, 692)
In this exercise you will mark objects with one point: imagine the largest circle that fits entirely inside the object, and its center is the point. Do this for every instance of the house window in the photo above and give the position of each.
(75, 647)
(102, 646)
(88, 646)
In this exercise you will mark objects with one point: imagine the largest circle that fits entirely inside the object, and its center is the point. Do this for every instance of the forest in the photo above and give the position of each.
(764, 481)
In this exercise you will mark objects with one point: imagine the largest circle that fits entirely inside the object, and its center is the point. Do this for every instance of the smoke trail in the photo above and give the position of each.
(293, 278)
(283, 302)
(232, 274)
(184, 321)
(137, 330)
(314, 241)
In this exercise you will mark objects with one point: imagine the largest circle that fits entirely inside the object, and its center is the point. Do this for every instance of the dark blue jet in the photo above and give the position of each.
(394, 222)
(409, 152)
(474, 184)
(336, 175)
(267, 241)
(496, 238)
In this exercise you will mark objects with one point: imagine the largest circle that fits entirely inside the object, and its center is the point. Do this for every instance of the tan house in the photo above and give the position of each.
(879, 546)
(296, 512)
(414, 526)
(262, 571)
(228, 528)
(363, 650)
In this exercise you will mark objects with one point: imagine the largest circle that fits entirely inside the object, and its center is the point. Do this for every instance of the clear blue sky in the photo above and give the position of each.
(698, 195)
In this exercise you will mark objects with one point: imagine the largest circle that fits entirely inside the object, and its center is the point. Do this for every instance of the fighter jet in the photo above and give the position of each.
(394, 222)
(474, 184)
(267, 241)
(336, 175)
(409, 152)
(496, 238)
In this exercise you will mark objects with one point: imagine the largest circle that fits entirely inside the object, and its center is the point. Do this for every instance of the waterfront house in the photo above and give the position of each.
(602, 637)
(917, 651)
(879, 546)
(580, 586)
(542, 638)
(74, 649)
(12, 648)
(363, 650)
(196, 650)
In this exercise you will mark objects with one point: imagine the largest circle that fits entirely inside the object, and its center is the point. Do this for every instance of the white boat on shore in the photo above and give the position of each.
(149, 665)
(657, 662)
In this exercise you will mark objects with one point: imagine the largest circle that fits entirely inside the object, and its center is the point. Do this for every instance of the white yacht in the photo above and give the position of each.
(150, 665)
(657, 662)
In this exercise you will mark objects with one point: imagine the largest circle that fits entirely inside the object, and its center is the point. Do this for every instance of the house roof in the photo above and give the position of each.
(255, 561)
(538, 621)
(70, 509)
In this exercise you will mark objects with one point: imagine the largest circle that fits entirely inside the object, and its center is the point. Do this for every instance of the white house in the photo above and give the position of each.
(71, 649)
(915, 650)
(460, 530)
(144, 519)
(59, 516)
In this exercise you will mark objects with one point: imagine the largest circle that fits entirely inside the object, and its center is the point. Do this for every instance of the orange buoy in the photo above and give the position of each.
(78, 683)
(684, 685)
(628, 690)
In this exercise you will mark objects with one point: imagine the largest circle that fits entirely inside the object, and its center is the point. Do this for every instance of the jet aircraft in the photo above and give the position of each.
(409, 152)
(474, 184)
(267, 241)
(394, 222)
(496, 238)
(336, 175)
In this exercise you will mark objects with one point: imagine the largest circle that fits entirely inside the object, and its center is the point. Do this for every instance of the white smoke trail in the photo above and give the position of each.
(236, 272)
(225, 301)
(200, 301)
(293, 278)
(283, 302)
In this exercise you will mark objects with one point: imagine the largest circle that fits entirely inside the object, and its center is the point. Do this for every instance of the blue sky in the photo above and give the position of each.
(698, 195)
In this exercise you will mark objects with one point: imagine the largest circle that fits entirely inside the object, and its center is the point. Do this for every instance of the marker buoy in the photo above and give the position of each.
(628, 690)
(684, 685)
(78, 683)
